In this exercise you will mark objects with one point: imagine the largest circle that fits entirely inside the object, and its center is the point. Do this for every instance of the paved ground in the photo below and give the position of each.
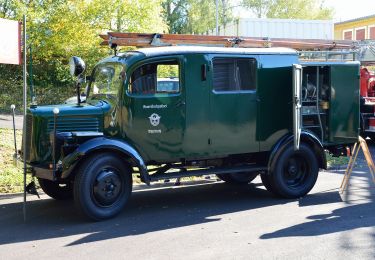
(207, 221)
(6, 121)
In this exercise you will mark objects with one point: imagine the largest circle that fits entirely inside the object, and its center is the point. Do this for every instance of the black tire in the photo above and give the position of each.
(56, 190)
(102, 186)
(295, 172)
(238, 178)
(267, 183)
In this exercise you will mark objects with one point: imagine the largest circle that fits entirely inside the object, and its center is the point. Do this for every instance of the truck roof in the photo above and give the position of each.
(172, 50)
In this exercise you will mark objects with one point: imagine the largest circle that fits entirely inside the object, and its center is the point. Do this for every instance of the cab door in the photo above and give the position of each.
(154, 109)
(233, 105)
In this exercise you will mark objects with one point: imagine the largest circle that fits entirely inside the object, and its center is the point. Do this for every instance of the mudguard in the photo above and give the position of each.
(306, 137)
(101, 143)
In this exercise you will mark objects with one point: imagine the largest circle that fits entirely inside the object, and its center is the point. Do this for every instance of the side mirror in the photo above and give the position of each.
(77, 66)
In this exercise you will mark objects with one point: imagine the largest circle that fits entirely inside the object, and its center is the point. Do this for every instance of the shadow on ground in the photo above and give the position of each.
(148, 211)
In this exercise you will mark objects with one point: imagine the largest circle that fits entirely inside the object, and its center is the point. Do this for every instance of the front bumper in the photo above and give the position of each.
(35, 171)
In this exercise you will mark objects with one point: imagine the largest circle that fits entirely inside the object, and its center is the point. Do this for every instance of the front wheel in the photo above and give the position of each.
(55, 190)
(102, 186)
(295, 172)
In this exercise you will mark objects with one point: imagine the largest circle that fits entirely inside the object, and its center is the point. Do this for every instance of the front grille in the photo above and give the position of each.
(74, 124)
(29, 130)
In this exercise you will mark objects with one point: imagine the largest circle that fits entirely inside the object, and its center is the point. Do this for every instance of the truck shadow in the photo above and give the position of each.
(148, 211)
(356, 212)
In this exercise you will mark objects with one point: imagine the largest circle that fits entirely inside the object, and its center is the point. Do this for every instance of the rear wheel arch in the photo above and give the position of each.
(306, 138)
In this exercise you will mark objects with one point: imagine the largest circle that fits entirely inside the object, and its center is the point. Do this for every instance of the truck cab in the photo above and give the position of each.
(173, 112)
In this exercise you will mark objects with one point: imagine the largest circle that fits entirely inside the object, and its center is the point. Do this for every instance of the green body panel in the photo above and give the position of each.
(197, 108)
(344, 110)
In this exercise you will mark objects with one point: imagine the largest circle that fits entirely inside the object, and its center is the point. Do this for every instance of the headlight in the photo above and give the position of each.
(77, 66)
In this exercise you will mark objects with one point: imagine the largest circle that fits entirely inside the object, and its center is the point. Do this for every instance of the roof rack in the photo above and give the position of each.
(114, 39)
(309, 49)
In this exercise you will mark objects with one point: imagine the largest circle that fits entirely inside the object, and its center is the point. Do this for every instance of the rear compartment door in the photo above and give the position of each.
(344, 107)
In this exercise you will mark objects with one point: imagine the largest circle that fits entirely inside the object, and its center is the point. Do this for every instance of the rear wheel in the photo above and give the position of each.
(238, 178)
(295, 172)
(56, 190)
(102, 186)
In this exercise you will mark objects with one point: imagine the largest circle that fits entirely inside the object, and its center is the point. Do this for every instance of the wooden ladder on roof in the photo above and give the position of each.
(370, 163)
(114, 39)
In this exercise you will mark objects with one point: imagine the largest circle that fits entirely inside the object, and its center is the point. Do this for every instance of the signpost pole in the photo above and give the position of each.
(24, 115)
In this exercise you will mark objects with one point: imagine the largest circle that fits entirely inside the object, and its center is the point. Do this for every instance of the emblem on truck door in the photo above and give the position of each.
(154, 119)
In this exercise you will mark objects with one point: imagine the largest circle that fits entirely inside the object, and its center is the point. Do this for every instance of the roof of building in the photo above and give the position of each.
(158, 51)
(357, 19)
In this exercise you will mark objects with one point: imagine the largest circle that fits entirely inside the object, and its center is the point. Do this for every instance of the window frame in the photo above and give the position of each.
(359, 29)
(139, 64)
(348, 30)
(100, 65)
(372, 26)
(235, 58)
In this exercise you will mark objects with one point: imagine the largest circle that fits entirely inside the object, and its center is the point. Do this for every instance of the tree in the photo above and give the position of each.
(59, 29)
(194, 16)
(289, 9)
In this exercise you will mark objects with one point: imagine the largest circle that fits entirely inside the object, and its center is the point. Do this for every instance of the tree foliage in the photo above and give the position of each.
(289, 9)
(195, 16)
(59, 29)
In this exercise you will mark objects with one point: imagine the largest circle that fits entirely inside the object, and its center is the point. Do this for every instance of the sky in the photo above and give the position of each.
(351, 9)
(343, 9)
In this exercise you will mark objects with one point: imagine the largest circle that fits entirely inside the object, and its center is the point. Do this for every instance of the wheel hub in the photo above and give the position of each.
(107, 187)
(295, 171)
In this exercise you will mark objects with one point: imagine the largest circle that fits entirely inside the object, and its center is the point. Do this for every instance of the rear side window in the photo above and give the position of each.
(234, 74)
(157, 77)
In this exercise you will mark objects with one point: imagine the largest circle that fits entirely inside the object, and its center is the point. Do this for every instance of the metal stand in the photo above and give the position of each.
(370, 163)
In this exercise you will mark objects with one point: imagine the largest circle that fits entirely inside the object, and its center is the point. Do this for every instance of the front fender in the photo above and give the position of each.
(102, 143)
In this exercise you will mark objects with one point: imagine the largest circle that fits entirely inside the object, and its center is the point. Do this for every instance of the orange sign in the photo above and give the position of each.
(10, 42)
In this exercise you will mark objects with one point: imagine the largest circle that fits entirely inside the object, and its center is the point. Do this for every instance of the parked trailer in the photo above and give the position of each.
(233, 112)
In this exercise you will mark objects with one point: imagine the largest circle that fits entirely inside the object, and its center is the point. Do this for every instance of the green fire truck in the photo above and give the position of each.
(173, 112)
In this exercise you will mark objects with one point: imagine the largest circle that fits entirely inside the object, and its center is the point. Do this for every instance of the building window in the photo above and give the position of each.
(372, 32)
(348, 35)
(234, 74)
(360, 34)
(158, 77)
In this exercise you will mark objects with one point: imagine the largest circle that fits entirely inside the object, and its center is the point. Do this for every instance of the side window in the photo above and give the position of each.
(234, 74)
(107, 79)
(157, 77)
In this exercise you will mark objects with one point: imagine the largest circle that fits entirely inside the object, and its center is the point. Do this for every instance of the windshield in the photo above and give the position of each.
(107, 80)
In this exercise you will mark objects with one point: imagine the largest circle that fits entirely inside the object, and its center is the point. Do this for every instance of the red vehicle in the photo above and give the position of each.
(367, 92)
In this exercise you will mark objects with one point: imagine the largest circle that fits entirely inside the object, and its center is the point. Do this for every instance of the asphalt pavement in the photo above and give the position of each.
(210, 220)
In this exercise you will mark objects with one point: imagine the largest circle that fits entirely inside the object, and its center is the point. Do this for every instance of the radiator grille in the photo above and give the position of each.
(74, 124)
(29, 130)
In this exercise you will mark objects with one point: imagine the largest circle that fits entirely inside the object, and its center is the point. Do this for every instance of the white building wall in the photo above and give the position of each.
(279, 28)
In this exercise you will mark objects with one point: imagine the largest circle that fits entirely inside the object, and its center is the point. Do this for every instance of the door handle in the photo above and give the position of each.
(180, 103)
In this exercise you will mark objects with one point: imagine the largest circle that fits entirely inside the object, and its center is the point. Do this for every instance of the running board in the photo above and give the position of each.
(185, 173)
